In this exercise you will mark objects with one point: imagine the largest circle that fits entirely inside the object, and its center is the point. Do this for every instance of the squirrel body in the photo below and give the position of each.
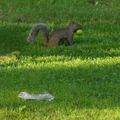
(54, 38)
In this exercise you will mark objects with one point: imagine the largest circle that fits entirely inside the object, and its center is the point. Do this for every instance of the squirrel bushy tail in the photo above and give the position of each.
(35, 30)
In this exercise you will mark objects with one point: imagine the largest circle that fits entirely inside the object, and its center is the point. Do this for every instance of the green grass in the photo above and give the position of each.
(84, 78)
(58, 11)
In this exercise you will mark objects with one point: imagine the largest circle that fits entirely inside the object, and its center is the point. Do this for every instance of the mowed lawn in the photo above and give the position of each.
(84, 78)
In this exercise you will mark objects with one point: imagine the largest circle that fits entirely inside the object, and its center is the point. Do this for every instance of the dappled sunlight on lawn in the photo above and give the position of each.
(84, 78)
(77, 83)
(54, 61)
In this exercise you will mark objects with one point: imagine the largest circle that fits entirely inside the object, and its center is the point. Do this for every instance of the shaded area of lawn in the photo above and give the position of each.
(97, 40)
(59, 10)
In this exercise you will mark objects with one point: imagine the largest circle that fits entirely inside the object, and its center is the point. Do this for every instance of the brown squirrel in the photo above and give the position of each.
(54, 38)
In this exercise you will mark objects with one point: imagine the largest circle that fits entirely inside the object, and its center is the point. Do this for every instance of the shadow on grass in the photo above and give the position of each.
(92, 50)
(13, 41)
(13, 37)
(92, 86)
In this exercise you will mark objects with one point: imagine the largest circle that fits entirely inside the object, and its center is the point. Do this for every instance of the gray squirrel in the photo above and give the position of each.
(54, 38)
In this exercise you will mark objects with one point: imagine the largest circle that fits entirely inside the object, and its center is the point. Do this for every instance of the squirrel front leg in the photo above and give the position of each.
(70, 39)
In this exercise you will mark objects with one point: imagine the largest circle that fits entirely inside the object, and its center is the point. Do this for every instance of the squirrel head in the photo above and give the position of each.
(74, 26)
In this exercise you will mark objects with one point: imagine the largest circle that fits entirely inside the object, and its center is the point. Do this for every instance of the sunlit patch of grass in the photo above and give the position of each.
(2, 114)
(84, 114)
(7, 58)
(59, 61)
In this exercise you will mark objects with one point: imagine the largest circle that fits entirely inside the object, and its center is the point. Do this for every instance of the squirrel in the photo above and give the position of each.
(57, 36)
